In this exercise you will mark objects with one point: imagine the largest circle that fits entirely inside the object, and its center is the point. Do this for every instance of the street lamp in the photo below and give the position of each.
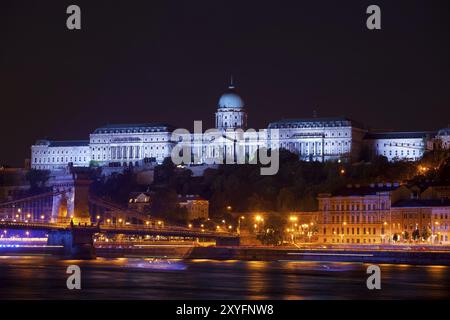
(239, 224)
(259, 220)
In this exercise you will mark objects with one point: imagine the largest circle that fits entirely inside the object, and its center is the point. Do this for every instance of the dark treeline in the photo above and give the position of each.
(294, 188)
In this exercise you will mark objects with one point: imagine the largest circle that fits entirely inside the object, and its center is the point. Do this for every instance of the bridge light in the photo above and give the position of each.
(120, 220)
(98, 217)
(19, 210)
(258, 218)
(17, 216)
(147, 222)
(190, 225)
(108, 220)
(203, 230)
(28, 215)
(223, 221)
(27, 233)
(160, 222)
(42, 217)
(230, 227)
(229, 208)
(202, 225)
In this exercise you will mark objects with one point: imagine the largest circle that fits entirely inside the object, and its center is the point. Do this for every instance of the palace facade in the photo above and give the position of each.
(313, 139)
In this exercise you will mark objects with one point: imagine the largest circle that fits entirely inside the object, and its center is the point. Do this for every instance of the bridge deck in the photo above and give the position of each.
(121, 229)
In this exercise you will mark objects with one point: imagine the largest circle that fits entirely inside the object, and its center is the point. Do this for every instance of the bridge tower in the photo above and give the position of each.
(71, 196)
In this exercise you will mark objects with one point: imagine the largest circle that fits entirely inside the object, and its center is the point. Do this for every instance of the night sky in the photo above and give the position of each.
(169, 61)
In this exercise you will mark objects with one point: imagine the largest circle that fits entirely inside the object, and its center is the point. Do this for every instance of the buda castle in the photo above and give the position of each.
(312, 139)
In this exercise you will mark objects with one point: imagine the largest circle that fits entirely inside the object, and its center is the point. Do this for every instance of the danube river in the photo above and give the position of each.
(44, 277)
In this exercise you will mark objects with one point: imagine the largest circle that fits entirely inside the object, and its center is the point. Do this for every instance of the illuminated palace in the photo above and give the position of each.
(313, 139)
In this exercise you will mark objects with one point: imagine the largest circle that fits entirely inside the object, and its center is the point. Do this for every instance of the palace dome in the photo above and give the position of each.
(231, 99)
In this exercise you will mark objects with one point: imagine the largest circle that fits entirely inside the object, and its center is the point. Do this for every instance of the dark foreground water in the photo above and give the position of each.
(44, 277)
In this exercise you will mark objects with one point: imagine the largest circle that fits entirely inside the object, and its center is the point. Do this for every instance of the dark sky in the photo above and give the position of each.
(169, 61)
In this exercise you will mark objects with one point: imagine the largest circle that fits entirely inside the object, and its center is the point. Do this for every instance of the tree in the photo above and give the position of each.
(164, 172)
(164, 205)
(116, 187)
(94, 164)
(426, 233)
(395, 237)
(37, 179)
(416, 235)
(257, 203)
(273, 230)
(406, 235)
(286, 200)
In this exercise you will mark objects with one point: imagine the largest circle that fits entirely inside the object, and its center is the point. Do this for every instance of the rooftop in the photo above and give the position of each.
(188, 197)
(133, 127)
(315, 122)
(65, 143)
(415, 203)
(399, 135)
(372, 189)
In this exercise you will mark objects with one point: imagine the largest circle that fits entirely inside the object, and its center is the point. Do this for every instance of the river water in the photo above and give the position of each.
(44, 277)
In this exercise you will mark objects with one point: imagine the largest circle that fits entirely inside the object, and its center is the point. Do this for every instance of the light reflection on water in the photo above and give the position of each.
(44, 277)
